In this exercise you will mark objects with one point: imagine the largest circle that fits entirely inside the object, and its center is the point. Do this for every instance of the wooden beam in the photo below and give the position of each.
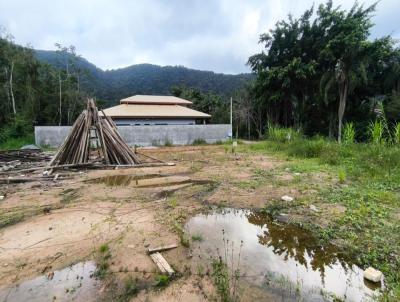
(162, 264)
(162, 248)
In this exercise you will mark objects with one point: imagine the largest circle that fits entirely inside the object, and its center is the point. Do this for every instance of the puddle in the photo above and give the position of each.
(146, 181)
(74, 283)
(279, 257)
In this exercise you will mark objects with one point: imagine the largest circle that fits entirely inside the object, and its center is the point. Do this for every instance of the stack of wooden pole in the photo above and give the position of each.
(77, 147)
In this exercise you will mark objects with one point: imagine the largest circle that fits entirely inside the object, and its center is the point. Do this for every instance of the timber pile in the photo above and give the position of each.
(92, 131)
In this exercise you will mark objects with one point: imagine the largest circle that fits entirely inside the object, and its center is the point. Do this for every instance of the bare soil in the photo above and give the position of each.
(58, 224)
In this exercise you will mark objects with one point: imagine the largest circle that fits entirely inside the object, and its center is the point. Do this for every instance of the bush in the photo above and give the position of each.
(17, 130)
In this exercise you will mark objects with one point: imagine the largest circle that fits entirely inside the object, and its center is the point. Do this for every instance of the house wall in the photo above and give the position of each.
(54, 136)
(142, 122)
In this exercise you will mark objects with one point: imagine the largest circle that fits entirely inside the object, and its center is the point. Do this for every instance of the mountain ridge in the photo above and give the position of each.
(114, 84)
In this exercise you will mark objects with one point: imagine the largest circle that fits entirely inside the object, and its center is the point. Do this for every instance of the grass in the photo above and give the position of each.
(197, 237)
(16, 143)
(199, 142)
(366, 181)
(103, 257)
(162, 280)
(184, 238)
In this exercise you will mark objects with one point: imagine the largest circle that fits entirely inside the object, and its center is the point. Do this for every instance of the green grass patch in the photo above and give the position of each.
(16, 143)
(365, 180)
(197, 237)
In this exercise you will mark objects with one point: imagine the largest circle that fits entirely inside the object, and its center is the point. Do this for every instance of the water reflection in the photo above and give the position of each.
(74, 283)
(142, 181)
(282, 251)
(290, 241)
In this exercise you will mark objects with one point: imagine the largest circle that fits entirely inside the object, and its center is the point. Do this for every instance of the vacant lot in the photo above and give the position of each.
(104, 222)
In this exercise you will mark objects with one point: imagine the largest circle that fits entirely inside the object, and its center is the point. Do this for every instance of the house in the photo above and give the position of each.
(155, 110)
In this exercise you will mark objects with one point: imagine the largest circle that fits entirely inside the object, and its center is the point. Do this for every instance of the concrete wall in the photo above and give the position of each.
(53, 136)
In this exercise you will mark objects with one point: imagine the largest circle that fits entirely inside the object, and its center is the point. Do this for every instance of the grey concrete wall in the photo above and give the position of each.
(53, 136)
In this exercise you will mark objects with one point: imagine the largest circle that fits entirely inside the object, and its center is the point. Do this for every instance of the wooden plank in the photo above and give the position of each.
(162, 264)
(162, 248)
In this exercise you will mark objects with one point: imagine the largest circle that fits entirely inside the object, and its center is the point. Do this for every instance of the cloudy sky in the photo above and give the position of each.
(217, 35)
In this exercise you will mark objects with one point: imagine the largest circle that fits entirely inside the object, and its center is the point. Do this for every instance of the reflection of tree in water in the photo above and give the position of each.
(296, 243)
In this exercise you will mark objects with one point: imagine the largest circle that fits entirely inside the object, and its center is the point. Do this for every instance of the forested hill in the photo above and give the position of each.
(112, 85)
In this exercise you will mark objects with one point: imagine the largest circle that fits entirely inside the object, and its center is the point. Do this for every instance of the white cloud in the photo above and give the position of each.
(216, 35)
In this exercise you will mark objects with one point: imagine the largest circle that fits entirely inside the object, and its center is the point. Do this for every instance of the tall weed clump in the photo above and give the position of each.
(396, 134)
(307, 148)
(376, 131)
(282, 134)
(349, 134)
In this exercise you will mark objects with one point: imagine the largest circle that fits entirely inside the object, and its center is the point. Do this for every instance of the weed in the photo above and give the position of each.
(375, 130)
(349, 134)
(195, 167)
(396, 134)
(10, 218)
(69, 195)
(226, 277)
(274, 208)
(280, 134)
(168, 143)
(342, 176)
(184, 238)
(197, 237)
(173, 202)
(199, 141)
(161, 280)
(103, 257)
(220, 275)
(130, 289)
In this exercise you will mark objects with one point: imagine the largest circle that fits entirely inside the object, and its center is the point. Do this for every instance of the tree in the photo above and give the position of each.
(346, 50)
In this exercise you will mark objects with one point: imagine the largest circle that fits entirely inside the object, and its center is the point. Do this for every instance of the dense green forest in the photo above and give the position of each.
(113, 85)
(322, 70)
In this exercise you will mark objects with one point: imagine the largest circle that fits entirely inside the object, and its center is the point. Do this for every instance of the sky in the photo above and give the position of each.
(216, 35)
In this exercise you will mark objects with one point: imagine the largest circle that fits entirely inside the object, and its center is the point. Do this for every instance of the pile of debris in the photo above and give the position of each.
(26, 155)
(22, 159)
(93, 142)
(91, 134)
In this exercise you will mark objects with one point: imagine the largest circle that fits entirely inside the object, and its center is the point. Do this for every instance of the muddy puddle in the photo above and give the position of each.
(74, 283)
(278, 258)
(146, 181)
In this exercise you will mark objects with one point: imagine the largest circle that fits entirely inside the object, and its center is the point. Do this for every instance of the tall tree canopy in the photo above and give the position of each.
(322, 68)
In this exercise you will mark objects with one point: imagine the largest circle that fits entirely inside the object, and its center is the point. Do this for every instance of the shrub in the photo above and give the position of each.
(349, 133)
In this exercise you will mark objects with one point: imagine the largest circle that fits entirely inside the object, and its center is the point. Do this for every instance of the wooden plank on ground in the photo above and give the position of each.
(162, 248)
(162, 264)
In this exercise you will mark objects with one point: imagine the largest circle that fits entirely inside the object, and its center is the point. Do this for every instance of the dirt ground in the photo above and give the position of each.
(59, 224)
